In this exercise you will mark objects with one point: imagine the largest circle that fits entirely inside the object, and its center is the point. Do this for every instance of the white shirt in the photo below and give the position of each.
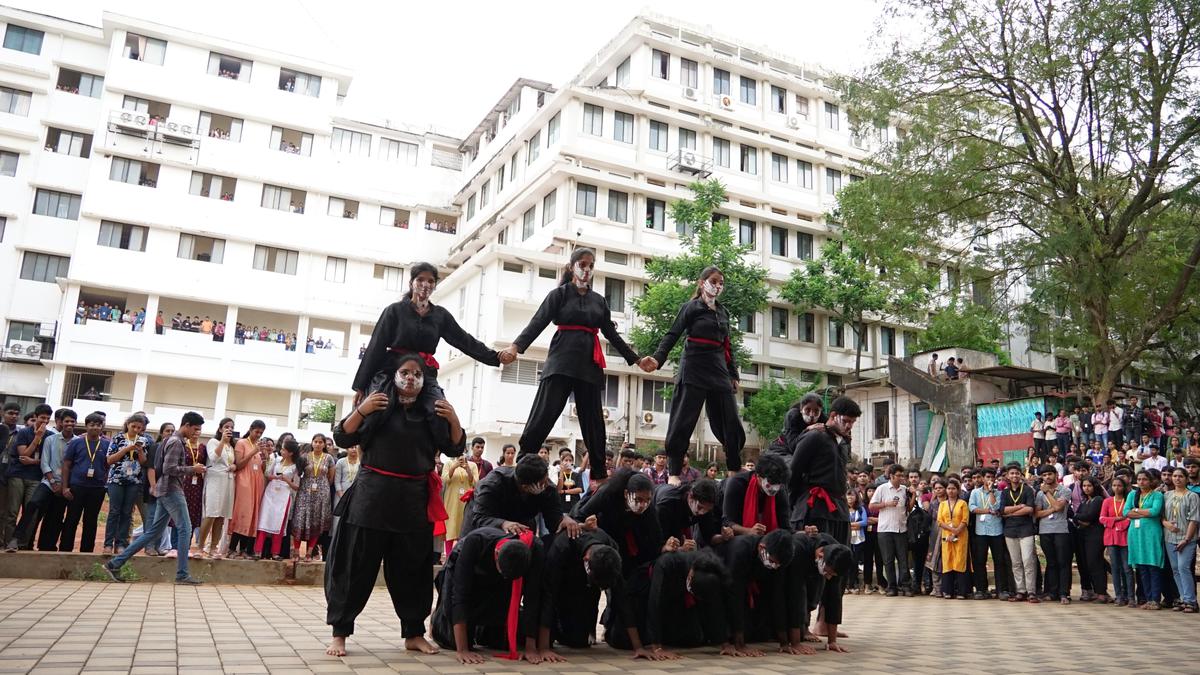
(891, 519)
(1038, 428)
(1115, 418)
(1154, 462)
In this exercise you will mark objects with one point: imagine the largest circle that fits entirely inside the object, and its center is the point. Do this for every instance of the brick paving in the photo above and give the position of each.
(73, 627)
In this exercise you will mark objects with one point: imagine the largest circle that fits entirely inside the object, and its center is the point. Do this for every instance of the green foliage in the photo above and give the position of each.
(969, 326)
(322, 411)
(1057, 144)
(673, 279)
(96, 573)
(767, 409)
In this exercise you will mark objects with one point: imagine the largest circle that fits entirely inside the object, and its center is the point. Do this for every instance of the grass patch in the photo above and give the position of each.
(96, 573)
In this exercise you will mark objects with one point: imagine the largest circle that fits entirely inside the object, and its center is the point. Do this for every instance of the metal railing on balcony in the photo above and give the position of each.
(690, 161)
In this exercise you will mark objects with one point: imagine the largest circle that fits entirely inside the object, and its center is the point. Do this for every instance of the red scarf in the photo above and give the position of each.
(429, 360)
(714, 343)
(631, 543)
(818, 492)
(435, 511)
(750, 506)
(689, 598)
(514, 601)
(597, 350)
(466, 496)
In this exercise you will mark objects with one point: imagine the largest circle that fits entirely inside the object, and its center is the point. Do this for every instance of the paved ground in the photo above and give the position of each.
(69, 627)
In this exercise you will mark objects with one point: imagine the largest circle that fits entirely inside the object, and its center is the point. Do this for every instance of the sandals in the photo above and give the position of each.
(1190, 609)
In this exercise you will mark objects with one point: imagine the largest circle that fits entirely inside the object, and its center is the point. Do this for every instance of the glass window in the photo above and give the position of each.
(534, 147)
(593, 119)
(301, 83)
(831, 116)
(485, 191)
(392, 277)
(470, 207)
(689, 73)
(837, 333)
(44, 267)
(656, 214)
(291, 141)
(623, 127)
(749, 159)
(75, 82)
(618, 206)
(746, 323)
(804, 246)
(335, 270)
(748, 90)
(658, 135)
(779, 167)
(15, 101)
(807, 323)
(778, 99)
(278, 260)
(779, 322)
(145, 49)
(614, 294)
(887, 341)
(398, 151)
(616, 257)
(621, 79)
(585, 200)
(527, 223)
(721, 85)
(204, 249)
(804, 171)
(833, 181)
(119, 235)
(229, 67)
(881, 414)
(351, 142)
(221, 127)
(721, 152)
(802, 106)
(549, 206)
(687, 139)
(56, 204)
(652, 396)
(8, 163)
(393, 217)
(552, 130)
(23, 39)
(500, 180)
(660, 64)
(778, 241)
(283, 199)
(746, 230)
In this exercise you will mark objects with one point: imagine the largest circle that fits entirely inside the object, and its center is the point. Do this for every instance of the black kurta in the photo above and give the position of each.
(806, 584)
(570, 605)
(571, 350)
(701, 365)
(400, 326)
(669, 620)
(752, 583)
(733, 499)
(819, 460)
(675, 519)
(498, 498)
(638, 537)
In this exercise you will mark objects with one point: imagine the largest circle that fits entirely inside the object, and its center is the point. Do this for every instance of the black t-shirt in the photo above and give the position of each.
(1018, 526)
(701, 365)
(571, 351)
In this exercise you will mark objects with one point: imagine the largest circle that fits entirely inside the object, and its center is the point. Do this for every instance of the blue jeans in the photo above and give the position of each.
(1181, 569)
(1149, 582)
(171, 506)
(121, 499)
(1103, 438)
(1122, 574)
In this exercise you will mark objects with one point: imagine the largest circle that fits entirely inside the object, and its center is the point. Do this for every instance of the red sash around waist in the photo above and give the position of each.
(597, 350)
(724, 345)
(429, 360)
(434, 509)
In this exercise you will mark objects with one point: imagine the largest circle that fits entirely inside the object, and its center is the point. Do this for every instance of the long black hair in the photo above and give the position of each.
(704, 275)
(576, 255)
(415, 271)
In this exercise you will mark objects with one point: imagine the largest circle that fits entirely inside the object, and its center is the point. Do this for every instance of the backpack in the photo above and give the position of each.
(919, 523)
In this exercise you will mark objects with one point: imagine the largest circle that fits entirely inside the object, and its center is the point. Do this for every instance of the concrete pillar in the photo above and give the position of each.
(355, 339)
(221, 402)
(152, 302)
(139, 391)
(70, 302)
(302, 333)
(293, 418)
(58, 377)
(231, 319)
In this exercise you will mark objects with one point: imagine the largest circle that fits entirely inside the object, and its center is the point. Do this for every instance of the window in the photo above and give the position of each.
(75, 82)
(618, 206)
(213, 186)
(585, 199)
(278, 260)
(534, 149)
(500, 180)
(145, 49)
(749, 159)
(887, 341)
(593, 119)
(283, 199)
(390, 276)
(777, 372)
(512, 166)
(614, 294)
(880, 413)
(748, 90)
(804, 171)
(660, 64)
(804, 246)
(514, 267)
(746, 230)
(833, 379)
(23, 39)
(56, 204)
(119, 235)
(658, 135)
(656, 214)
(351, 142)
(8, 163)
(721, 152)
(552, 130)
(687, 139)
(612, 391)
(831, 116)
(837, 333)
(291, 141)
(621, 78)
(133, 172)
(527, 223)
(298, 82)
(721, 82)
(445, 158)
(485, 192)
(652, 396)
(778, 99)
(398, 151)
(470, 207)
(623, 127)
(335, 270)
(865, 337)
(549, 206)
(802, 106)
(44, 267)
(204, 249)
(342, 208)
(833, 181)
(807, 325)
(746, 323)
(778, 241)
(689, 73)
(809, 376)
(779, 167)
(230, 67)
(221, 127)
(393, 217)
(779, 322)
(15, 101)
(616, 257)
(522, 371)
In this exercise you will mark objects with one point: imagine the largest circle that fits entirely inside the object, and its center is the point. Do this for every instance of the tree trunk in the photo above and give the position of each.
(1104, 388)
(858, 347)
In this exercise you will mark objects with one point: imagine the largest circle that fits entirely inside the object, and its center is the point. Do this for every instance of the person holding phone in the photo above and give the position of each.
(459, 477)
(126, 460)
(248, 484)
(218, 487)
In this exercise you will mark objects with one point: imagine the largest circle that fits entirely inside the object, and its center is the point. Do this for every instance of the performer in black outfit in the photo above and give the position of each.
(577, 572)
(818, 490)
(707, 376)
(414, 325)
(390, 512)
(756, 502)
(512, 500)
(488, 594)
(819, 559)
(689, 513)
(624, 508)
(575, 362)
(759, 588)
(808, 411)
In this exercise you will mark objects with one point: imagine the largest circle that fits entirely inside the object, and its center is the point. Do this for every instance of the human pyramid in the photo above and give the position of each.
(682, 565)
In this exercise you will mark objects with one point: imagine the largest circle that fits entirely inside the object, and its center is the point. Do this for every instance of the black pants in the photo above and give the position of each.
(241, 543)
(1093, 553)
(86, 504)
(548, 404)
(893, 548)
(1057, 548)
(30, 514)
(722, 411)
(1081, 559)
(980, 545)
(831, 591)
(873, 561)
(353, 567)
(954, 583)
(52, 523)
(916, 553)
(1118, 436)
(575, 616)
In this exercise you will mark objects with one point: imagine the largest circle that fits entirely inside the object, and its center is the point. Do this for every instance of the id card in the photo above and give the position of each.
(195, 480)
(1137, 524)
(91, 473)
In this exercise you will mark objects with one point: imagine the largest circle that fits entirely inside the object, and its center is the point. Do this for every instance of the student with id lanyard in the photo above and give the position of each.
(1144, 509)
(85, 471)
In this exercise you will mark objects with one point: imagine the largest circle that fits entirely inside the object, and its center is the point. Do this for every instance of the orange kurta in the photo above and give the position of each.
(248, 485)
(954, 555)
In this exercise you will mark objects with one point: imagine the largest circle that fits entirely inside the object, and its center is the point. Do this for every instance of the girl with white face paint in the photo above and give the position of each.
(575, 363)
(707, 375)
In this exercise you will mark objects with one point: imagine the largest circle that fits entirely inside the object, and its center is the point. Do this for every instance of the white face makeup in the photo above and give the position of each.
(581, 273)
(409, 382)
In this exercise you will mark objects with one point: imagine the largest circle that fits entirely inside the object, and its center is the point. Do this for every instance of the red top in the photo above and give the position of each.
(1116, 525)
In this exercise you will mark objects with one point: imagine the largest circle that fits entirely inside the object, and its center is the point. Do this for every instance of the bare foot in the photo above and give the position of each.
(420, 644)
(337, 647)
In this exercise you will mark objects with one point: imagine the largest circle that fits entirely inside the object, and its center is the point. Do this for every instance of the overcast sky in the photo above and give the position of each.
(444, 64)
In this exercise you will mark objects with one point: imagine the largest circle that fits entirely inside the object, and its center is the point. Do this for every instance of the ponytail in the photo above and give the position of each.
(568, 271)
(704, 275)
(415, 271)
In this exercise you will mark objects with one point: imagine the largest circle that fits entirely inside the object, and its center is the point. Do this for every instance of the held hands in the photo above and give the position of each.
(512, 527)
(759, 529)
(590, 523)
(506, 356)
(647, 364)
(444, 410)
(671, 546)
(689, 545)
(735, 385)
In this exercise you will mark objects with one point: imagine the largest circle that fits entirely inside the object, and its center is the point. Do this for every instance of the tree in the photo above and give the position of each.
(322, 411)
(767, 409)
(673, 279)
(969, 326)
(851, 285)
(1059, 139)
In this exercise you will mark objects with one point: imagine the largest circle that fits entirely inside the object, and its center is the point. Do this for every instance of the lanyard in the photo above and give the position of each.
(90, 450)
(317, 461)
(194, 450)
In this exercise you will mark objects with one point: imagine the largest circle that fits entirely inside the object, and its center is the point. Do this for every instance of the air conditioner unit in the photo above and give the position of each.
(24, 350)
(606, 413)
(572, 412)
(725, 102)
(689, 160)
(647, 417)
(794, 122)
(689, 93)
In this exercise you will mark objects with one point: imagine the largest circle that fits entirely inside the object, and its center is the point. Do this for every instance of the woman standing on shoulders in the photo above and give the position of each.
(218, 489)
(314, 513)
(707, 375)
(575, 362)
